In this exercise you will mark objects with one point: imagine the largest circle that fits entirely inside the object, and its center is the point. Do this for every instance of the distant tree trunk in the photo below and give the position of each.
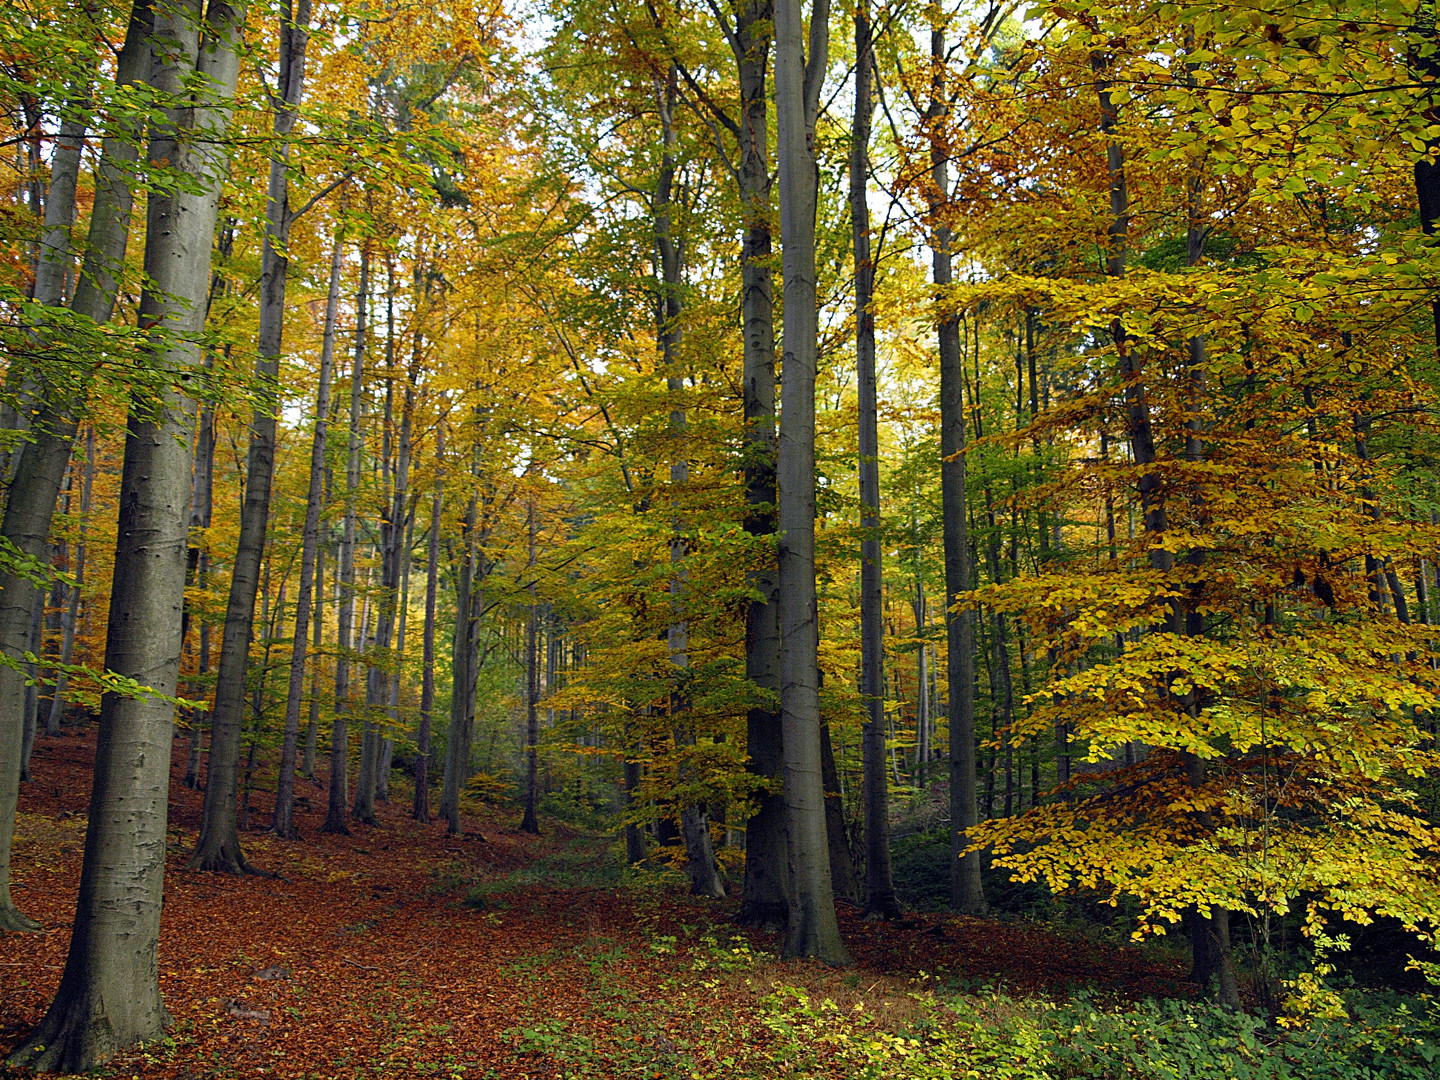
(812, 930)
(387, 748)
(202, 505)
(310, 547)
(55, 262)
(30, 508)
(392, 551)
(530, 822)
(72, 608)
(109, 994)
(966, 892)
(844, 883)
(766, 887)
(880, 899)
(218, 847)
(462, 665)
(695, 826)
(421, 811)
(335, 819)
(317, 631)
(32, 691)
(635, 851)
(54, 255)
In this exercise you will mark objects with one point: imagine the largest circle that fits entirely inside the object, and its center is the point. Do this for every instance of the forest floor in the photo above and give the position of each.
(398, 951)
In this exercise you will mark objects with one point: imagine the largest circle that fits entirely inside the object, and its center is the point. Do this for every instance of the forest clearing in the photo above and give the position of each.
(688, 538)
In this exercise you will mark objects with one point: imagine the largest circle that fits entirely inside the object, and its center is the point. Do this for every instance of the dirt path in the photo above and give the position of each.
(360, 960)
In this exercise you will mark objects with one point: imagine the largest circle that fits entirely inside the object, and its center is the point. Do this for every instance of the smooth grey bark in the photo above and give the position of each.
(72, 607)
(421, 809)
(811, 930)
(218, 847)
(335, 818)
(109, 995)
(966, 892)
(56, 252)
(36, 488)
(880, 899)
(53, 260)
(763, 903)
(310, 547)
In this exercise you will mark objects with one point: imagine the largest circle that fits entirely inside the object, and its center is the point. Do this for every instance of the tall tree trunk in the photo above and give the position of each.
(317, 639)
(54, 254)
(812, 930)
(109, 994)
(202, 506)
(72, 608)
(387, 747)
(218, 847)
(421, 810)
(310, 546)
(880, 899)
(844, 882)
(30, 508)
(766, 886)
(392, 544)
(56, 250)
(463, 661)
(32, 690)
(966, 892)
(530, 822)
(335, 818)
(695, 826)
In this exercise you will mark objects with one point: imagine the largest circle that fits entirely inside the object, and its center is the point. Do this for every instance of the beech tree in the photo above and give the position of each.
(109, 995)
(811, 929)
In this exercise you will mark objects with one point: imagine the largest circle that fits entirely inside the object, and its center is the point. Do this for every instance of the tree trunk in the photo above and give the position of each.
(32, 690)
(218, 847)
(766, 868)
(421, 810)
(72, 608)
(463, 662)
(880, 899)
(335, 818)
(531, 821)
(30, 508)
(109, 994)
(201, 512)
(310, 546)
(812, 930)
(695, 826)
(392, 550)
(844, 883)
(387, 748)
(966, 892)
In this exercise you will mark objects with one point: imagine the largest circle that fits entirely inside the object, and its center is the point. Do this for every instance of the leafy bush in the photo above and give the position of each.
(998, 1038)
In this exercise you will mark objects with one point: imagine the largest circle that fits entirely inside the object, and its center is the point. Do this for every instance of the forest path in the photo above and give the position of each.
(362, 960)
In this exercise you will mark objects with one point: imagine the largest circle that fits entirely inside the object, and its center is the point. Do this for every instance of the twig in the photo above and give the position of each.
(362, 967)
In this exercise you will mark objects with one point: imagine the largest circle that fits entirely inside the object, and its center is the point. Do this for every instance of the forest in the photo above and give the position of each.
(676, 539)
